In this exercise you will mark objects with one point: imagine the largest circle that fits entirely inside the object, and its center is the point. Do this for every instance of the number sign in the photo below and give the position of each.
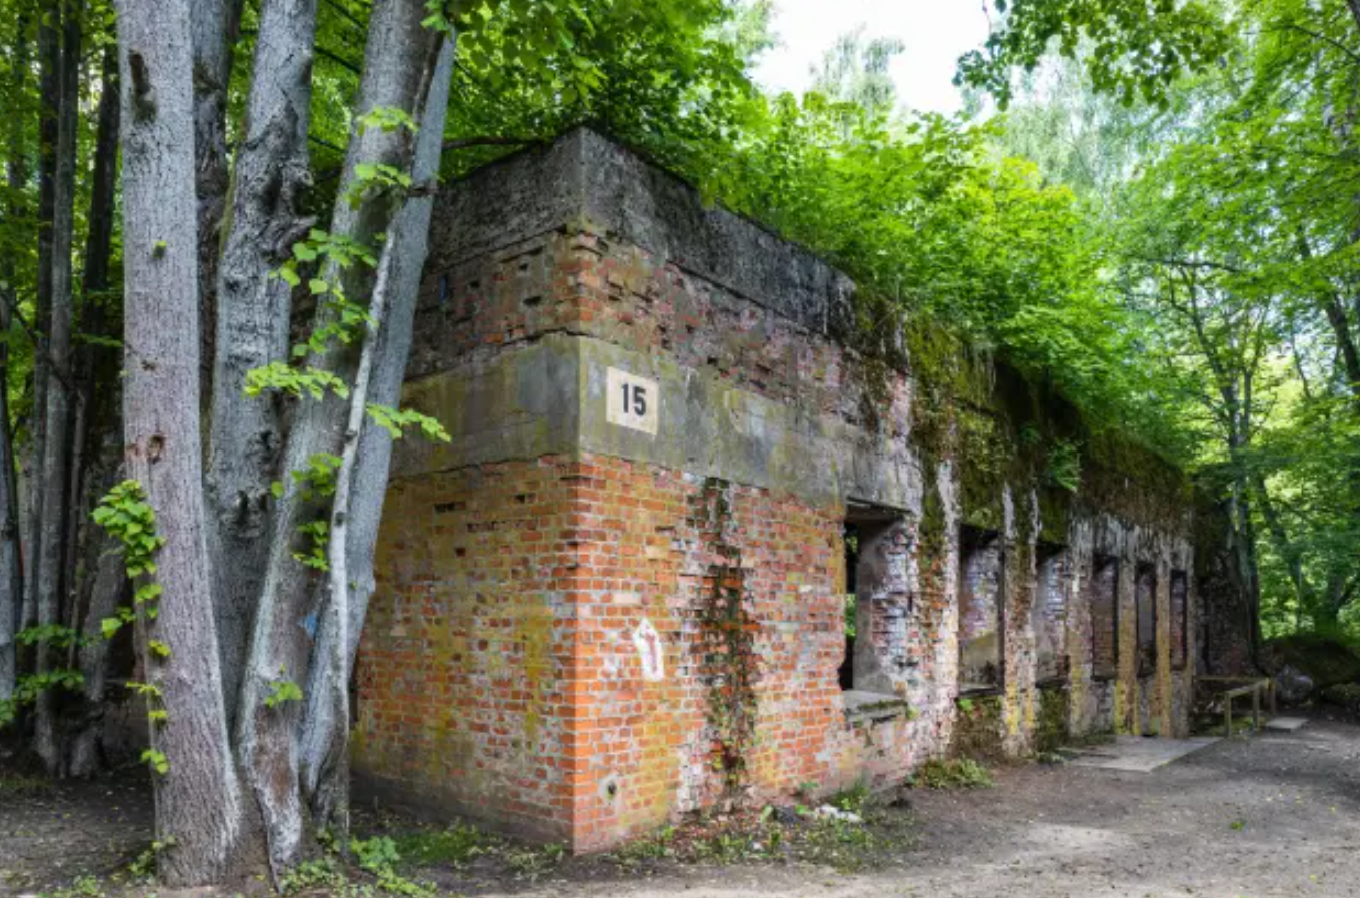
(631, 401)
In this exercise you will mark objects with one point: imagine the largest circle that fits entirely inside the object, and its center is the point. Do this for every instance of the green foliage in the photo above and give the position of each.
(1064, 466)
(395, 422)
(387, 119)
(372, 179)
(282, 690)
(55, 635)
(376, 853)
(156, 760)
(959, 773)
(379, 856)
(315, 556)
(1133, 49)
(29, 686)
(852, 800)
(453, 846)
(294, 381)
(317, 480)
(127, 517)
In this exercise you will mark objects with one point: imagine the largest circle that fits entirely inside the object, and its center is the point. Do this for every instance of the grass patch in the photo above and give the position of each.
(958, 773)
(456, 846)
(15, 785)
(781, 835)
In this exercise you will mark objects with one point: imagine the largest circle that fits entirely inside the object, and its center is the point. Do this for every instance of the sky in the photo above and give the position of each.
(935, 32)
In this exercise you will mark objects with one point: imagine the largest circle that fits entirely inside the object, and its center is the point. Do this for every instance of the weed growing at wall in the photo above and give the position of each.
(727, 635)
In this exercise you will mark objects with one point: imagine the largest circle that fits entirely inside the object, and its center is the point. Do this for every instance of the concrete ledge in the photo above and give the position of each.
(585, 176)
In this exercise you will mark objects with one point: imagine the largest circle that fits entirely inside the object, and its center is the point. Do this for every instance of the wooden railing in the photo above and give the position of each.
(1252, 686)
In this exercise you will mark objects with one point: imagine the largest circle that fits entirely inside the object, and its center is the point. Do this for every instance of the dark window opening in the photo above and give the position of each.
(849, 619)
(1145, 594)
(1049, 613)
(981, 662)
(1103, 589)
(874, 543)
(1180, 600)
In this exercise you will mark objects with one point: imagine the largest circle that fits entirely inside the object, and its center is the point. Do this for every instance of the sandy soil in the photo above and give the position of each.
(1273, 816)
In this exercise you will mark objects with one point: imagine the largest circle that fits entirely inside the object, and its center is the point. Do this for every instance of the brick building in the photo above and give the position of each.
(620, 593)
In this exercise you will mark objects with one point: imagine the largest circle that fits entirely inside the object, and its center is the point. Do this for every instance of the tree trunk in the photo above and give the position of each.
(94, 286)
(1284, 546)
(199, 801)
(398, 66)
(11, 567)
(246, 434)
(49, 105)
(56, 445)
(107, 590)
(1346, 346)
(11, 577)
(103, 586)
(324, 742)
(216, 27)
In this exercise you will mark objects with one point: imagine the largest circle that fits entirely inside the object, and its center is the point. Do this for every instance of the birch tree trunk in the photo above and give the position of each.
(324, 745)
(254, 313)
(199, 802)
(11, 567)
(56, 444)
(398, 67)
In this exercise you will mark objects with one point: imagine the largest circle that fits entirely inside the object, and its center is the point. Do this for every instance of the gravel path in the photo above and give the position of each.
(1273, 816)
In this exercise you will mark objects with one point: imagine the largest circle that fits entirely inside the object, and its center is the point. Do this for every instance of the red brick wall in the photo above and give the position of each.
(466, 668)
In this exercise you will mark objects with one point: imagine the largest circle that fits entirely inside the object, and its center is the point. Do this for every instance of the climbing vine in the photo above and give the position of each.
(130, 520)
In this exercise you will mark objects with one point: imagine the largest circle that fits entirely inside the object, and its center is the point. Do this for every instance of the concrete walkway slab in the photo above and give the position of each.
(1136, 754)
(1287, 724)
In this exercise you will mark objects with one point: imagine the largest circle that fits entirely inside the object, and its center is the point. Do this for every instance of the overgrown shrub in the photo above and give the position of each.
(959, 773)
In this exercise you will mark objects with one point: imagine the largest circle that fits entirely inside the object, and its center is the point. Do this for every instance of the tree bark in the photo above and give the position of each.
(398, 66)
(11, 576)
(11, 567)
(254, 315)
(216, 27)
(49, 107)
(107, 590)
(324, 743)
(103, 585)
(56, 448)
(199, 802)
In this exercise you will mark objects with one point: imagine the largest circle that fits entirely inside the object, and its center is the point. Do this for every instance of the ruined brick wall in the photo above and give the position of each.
(587, 625)
(1049, 619)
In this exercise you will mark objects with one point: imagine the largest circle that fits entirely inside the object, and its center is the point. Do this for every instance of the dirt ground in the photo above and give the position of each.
(1271, 816)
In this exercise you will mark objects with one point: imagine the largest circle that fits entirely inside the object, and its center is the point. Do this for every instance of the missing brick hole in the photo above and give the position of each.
(448, 507)
(524, 498)
(533, 300)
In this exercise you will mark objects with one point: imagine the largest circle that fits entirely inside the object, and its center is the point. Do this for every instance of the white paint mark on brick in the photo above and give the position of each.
(650, 651)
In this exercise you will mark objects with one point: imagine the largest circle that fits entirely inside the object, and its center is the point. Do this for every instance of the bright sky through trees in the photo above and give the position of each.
(935, 32)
